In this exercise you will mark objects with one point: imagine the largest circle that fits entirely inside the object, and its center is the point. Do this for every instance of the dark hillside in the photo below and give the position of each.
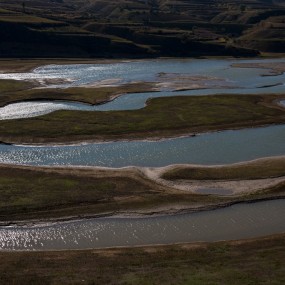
(140, 28)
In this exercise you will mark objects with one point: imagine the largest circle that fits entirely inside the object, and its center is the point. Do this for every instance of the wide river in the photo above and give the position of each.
(235, 222)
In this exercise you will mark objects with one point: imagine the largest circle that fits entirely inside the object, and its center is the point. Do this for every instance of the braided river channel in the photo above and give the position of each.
(235, 222)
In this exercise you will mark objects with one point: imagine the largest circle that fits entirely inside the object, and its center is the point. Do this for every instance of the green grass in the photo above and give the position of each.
(254, 170)
(252, 262)
(27, 193)
(9, 85)
(161, 117)
(36, 193)
(92, 96)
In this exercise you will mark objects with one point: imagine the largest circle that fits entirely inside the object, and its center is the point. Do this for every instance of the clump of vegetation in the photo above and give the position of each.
(162, 117)
(254, 170)
(246, 262)
(43, 193)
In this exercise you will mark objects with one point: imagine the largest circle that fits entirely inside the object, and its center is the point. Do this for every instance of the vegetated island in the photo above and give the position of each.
(103, 91)
(162, 117)
(63, 193)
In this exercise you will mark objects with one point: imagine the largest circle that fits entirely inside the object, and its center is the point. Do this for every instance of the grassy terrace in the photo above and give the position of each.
(161, 117)
(31, 193)
(249, 262)
(15, 91)
(7, 86)
(254, 170)
(40, 193)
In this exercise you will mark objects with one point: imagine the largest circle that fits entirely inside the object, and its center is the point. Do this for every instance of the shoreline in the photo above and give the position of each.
(37, 62)
(63, 61)
(143, 175)
(266, 101)
(133, 214)
(131, 139)
(184, 259)
(188, 245)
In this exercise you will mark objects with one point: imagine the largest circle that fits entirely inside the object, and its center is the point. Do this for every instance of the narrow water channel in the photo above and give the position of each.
(209, 148)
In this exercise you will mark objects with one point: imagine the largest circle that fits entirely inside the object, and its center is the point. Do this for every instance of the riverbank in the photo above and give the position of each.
(272, 69)
(161, 118)
(87, 95)
(71, 193)
(236, 262)
(17, 65)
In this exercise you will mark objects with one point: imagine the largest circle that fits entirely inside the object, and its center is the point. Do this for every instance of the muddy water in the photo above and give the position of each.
(236, 222)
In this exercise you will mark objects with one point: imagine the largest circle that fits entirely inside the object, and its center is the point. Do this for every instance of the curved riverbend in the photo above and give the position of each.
(131, 101)
(209, 148)
(222, 78)
(147, 70)
(239, 221)
(235, 222)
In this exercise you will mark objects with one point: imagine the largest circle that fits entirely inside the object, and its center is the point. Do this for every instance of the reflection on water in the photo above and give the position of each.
(147, 70)
(31, 109)
(235, 222)
(210, 148)
(132, 101)
(246, 80)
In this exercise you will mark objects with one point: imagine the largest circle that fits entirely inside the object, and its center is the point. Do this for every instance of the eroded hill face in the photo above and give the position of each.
(140, 28)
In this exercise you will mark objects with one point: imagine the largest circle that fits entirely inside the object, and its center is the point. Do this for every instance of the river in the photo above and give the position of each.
(235, 222)
(239, 221)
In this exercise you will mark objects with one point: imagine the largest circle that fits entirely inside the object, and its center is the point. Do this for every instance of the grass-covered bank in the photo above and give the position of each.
(257, 169)
(258, 261)
(13, 91)
(162, 117)
(37, 193)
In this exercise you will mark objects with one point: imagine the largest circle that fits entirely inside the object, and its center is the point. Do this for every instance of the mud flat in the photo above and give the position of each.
(274, 68)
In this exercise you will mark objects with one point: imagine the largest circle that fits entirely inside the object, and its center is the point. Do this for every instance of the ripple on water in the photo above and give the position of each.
(210, 148)
(31, 109)
(235, 222)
